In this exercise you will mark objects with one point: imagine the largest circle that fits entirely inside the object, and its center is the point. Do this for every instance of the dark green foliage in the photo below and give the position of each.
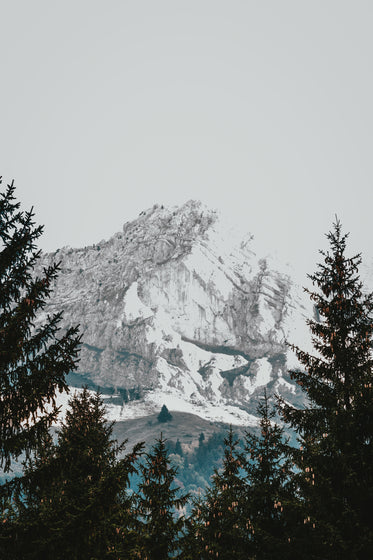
(217, 527)
(269, 505)
(159, 505)
(164, 415)
(124, 394)
(74, 502)
(33, 362)
(197, 465)
(178, 448)
(208, 454)
(135, 394)
(336, 427)
(267, 501)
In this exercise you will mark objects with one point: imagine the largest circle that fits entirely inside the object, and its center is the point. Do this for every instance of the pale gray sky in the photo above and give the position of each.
(261, 108)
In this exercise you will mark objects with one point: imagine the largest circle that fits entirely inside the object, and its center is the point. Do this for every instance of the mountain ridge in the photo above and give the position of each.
(180, 308)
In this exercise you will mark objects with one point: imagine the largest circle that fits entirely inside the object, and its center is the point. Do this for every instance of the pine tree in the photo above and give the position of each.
(178, 448)
(33, 362)
(217, 527)
(164, 415)
(269, 506)
(159, 505)
(74, 502)
(335, 428)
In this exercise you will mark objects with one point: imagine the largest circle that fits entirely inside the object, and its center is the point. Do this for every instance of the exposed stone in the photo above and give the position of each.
(173, 304)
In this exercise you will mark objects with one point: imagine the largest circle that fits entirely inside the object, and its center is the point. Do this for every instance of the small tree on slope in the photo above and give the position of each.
(164, 415)
(335, 460)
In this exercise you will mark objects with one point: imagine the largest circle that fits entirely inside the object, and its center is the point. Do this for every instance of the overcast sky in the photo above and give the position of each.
(263, 109)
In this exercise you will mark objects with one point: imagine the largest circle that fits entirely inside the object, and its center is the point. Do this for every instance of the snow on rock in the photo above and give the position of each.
(133, 306)
(177, 305)
(262, 376)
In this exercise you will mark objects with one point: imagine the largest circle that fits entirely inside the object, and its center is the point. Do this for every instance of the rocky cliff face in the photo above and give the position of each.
(175, 310)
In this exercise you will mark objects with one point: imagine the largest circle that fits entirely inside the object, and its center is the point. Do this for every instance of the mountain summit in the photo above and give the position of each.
(178, 309)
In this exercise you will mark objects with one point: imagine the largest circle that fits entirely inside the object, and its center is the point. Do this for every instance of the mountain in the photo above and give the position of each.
(178, 309)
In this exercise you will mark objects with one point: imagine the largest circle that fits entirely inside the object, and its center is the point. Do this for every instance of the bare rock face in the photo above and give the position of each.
(178, 310)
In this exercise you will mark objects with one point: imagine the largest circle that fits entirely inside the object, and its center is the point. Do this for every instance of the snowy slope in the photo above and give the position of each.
(179, 309)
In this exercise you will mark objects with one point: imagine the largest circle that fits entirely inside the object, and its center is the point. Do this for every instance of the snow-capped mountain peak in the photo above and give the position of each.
(179, 309)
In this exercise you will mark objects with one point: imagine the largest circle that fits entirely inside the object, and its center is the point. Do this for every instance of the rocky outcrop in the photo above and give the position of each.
(174, 307)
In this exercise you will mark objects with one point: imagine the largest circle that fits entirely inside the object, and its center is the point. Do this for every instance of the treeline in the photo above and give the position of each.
(197, 463)
(74, 498)
(269, 500)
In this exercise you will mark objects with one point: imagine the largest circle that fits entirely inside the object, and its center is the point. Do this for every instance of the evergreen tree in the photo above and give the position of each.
(269, 506)
(164, 415)
(74, 502)
(217, 528)
(159, 505)
(178, 448)
(335, 459)
(33, 362)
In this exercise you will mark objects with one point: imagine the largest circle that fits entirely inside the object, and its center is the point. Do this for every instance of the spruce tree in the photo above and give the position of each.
(159, 505)
(74, 502)
(270, 499)
(33, 362)
(164, 415)
(217, 527)
(335, 428)
(178, 448)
